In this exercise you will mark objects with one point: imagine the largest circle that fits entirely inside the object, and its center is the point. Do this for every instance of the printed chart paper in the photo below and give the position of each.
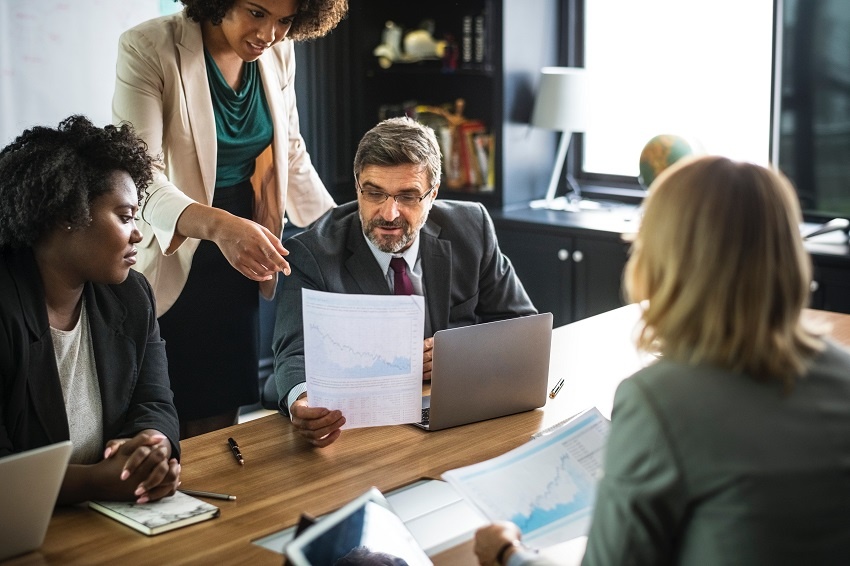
(546, 486)
(363, 356)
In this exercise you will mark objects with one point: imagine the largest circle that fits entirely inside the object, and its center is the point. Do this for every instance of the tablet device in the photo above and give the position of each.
(363, 532)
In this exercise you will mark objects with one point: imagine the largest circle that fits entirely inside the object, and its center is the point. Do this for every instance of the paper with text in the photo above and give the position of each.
(363, 356)
(547, 486)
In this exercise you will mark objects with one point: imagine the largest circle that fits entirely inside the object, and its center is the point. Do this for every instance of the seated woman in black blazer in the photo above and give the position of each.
(80, 353)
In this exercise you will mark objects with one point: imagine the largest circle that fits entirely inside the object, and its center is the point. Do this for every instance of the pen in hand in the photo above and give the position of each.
(236, 452)
(556, 388)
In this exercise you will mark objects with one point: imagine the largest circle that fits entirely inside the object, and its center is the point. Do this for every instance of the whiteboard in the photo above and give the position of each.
(57, 58)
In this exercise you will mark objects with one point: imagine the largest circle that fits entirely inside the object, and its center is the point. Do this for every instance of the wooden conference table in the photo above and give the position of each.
(283, 476)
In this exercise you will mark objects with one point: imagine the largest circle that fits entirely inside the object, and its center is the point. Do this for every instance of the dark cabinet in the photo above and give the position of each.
(830, 274)
(572, 264)
(830, 286)
(571, 276)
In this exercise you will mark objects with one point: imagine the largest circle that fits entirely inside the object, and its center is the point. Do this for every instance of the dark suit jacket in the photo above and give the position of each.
(467, 280)
(129, 355)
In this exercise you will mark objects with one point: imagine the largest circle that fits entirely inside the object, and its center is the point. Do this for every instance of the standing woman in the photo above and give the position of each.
(81, 358)
(211, 90)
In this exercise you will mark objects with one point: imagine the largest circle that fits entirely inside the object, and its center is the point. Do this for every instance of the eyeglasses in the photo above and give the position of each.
(404, 199)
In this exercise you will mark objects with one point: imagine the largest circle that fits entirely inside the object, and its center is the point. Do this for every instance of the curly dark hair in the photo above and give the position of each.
(315, 18)
(51, 176)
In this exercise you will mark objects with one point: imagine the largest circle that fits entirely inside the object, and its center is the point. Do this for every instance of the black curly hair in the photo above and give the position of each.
(49, 177)
(315, 18)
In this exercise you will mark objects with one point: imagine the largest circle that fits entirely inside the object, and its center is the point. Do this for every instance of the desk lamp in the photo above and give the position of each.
(561, 105)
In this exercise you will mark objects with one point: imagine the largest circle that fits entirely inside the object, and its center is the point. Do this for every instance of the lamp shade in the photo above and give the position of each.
(561, 102)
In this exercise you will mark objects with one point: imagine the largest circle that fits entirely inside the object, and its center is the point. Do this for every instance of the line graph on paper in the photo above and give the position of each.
(346, 349)
(546, 487)
(363, 355)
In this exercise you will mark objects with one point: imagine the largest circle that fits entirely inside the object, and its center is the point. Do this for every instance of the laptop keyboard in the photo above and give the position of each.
(426, 415)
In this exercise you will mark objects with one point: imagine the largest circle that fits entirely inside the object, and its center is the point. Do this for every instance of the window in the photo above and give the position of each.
(693, 68)
(813, 133)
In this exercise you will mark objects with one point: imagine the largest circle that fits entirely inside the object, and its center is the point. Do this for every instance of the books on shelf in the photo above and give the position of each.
(475, 44)
(468, 148)
(471, 163)
(467, 158)
(160, 516)
(466, 41)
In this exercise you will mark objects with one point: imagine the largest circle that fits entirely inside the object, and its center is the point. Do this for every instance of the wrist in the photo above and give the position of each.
(202, 222)
(506, 550)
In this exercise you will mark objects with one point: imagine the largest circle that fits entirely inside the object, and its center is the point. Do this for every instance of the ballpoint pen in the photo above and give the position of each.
(236, 452)
(209, 494)
(556, 388)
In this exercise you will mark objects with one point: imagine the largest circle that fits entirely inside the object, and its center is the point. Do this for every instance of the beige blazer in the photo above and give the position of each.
(161, 88)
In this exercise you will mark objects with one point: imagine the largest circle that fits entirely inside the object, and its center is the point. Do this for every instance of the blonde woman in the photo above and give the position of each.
(733, 447)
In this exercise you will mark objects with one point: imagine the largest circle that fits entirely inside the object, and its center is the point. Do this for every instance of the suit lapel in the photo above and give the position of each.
(193, 72)
(113, 354)
(362, 265)
(43, 388)
(436, 257)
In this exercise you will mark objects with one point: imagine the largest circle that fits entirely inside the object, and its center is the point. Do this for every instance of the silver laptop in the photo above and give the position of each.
(30, 485)
(488, 370)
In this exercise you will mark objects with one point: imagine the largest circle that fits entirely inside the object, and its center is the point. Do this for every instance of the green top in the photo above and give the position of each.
(243, 123)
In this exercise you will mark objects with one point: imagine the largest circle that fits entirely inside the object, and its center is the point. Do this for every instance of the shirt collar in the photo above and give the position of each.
(410, 254)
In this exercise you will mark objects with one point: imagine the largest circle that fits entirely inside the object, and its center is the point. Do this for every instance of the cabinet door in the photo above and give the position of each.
(831, 288)
(544, 265)
(597, 276)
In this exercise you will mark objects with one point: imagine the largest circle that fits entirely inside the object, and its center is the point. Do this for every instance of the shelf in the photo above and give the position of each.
(432, 68)
(499, 95)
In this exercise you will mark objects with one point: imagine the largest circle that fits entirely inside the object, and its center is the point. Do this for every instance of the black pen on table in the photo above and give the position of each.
(236, 452)
(209, 494)
(556, 388)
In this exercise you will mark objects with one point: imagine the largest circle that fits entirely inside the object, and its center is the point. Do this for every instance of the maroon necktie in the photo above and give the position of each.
(401, 282)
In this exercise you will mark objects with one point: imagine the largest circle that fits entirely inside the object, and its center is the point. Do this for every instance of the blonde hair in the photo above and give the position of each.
(720, 261)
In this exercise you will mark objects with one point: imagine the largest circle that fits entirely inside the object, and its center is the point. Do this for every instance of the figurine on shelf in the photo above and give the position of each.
(390, 48)
(419, 45)
(450, 54)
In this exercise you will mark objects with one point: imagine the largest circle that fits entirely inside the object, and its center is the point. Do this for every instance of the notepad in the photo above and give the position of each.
(157, 517)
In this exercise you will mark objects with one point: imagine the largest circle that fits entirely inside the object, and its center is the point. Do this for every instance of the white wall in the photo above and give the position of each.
(57, 58)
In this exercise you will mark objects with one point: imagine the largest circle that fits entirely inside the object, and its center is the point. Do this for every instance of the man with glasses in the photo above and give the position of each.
(395, 238)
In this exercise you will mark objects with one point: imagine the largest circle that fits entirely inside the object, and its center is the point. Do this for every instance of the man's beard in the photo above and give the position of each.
(390, 244)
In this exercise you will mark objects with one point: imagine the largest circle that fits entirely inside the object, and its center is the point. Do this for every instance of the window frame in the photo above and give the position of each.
(571, 54)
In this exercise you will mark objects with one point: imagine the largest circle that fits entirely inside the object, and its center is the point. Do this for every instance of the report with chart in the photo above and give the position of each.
(547, 486)
(363, 355)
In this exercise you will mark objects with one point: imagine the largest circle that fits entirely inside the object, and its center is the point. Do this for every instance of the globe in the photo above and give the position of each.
(659, 153)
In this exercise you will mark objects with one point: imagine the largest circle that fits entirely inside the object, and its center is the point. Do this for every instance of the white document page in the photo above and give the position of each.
(363, 356)
(437, 515)
(547, 486)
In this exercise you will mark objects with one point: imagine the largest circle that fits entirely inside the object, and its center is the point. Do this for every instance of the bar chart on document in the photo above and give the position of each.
(546, 486)
(363, 356)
